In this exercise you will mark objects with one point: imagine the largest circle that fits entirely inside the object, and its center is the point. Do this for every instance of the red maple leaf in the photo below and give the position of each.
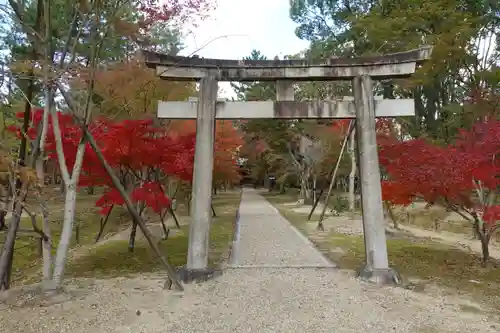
(152, 195)
(449, 175)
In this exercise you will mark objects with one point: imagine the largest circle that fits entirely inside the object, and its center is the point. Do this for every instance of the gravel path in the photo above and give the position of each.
(258, 299)
(268, 239)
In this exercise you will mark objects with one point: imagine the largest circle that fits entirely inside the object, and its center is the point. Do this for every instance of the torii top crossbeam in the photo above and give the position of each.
(394, 65)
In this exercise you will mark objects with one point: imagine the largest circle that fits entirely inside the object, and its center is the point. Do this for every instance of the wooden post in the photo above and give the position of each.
(376, 268)
(334, 174)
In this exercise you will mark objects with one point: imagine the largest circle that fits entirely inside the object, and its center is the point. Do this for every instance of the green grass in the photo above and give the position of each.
(428, 261)
(27, 255)
(426, 219)
(433, 219)
(114, 259)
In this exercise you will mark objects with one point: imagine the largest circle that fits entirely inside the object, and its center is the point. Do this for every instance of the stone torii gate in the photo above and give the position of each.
(361, 71)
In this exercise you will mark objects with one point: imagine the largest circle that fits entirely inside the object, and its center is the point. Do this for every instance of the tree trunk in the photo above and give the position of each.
(140, 208)
(3, 206)
(62, 186)
(6, 266)
(103, 223)
(8, 248)
(352, 174)
(393, 218)
(165, 230)
(46, 244)
(131, 240)
(40, 166)
(70, 182)
(67, 232)
(476, 232)
(484, 237)
(305, 194)
(133, 231)
(3, 225)
(485, 249)
(54, 175)
(314, 188)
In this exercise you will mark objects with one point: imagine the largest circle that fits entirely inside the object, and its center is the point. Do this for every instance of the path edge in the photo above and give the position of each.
(302, 236)
(234, 248)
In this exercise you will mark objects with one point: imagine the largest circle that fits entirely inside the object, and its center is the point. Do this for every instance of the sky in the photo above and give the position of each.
(241, 26)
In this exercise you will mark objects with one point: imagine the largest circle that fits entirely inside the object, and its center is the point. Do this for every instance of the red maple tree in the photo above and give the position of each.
(130, 147)
(228, 141)
(463, 176)
(137, 149)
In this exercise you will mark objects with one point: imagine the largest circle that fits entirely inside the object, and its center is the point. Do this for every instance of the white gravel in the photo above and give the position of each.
(267, 238)
(260, 300)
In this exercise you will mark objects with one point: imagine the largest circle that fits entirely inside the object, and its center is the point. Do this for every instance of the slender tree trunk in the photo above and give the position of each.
(483, 235)
(47, 243)
(67, 232)
(476, 230)
(22, 162)
(103, 223)
(352, 174)
(6, 266)
(131, 240)
(62, 186)
(390, 212)
(54, 175)
(3, 206)
(140, 208)
(40, 172)
(165, 230)
(70, 182)
(3, 225)
(314, 187)
(304, 188)
(8, 248)
(308, 197)
(2, 126)
(485, 249)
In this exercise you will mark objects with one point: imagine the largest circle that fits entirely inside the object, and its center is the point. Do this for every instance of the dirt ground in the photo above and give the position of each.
(354, 225)
(434, 262)
(138, 304)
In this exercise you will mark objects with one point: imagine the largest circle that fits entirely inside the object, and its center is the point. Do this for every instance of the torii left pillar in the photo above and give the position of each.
(199, 228)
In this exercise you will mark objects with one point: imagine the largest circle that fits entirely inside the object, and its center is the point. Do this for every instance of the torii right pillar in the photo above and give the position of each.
(376, 268)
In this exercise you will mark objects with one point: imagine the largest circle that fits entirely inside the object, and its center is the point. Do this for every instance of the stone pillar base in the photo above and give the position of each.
(384, 276)
(197, 275)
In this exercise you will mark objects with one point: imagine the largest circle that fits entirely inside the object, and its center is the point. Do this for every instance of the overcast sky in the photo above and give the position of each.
(257, 24)
(248, 24)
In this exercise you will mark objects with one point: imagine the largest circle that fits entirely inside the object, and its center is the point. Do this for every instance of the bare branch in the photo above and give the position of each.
(33, 223)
